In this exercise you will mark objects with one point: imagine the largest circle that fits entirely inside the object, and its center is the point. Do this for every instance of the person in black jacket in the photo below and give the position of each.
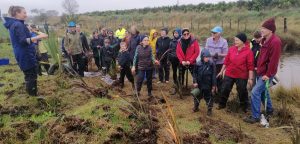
(96, 45)
(85, 47)
(124, 64)
(135, 40)
(162, 45)
(204, 78)
(173, 57)
(107, 54)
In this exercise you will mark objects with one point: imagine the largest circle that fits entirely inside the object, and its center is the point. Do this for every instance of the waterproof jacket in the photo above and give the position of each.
(268, 59)
(239, 62)
(120, 34)
(143, 58)
(72, 42)
(205, 75)
(192, 52)
(162, 45)
(135, 40)
(84, 42)
(255, 47)
(152, 41)
(107, 54)
(23, 48)
(96, 45)
(172, 47)
(124, 59)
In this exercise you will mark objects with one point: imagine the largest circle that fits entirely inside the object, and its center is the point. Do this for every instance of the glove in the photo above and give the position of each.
(216, 56)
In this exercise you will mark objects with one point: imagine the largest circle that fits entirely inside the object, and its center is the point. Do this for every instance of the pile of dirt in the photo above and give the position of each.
(68, 130)
(201, 138)
(15, 111)
(24, 129)
(223, 131)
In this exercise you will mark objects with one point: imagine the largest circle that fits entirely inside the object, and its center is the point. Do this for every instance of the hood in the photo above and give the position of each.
(205, 53)
(152, 31)
(178, 30)
(9, 21)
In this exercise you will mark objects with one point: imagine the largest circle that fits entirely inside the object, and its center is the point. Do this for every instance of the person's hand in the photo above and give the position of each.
(188, 63)
(195, 85)
(98, 46)
(119, 67)
(220, 74)
(214, 89)
(183, 63)
(216, 56)
(42, 36)
(250, 83)
(133, 70)
(265, 78)
(156, 62)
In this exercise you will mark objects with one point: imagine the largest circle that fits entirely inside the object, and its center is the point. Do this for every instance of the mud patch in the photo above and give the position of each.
(15, 111)
(24, 129)
(223, 131)
(201, 138)
(69, 130)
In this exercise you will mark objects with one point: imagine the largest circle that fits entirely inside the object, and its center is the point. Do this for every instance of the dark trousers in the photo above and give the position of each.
(31, 81)
(241, 86)
(140, 79)
(219, 83)
(126, 71)
(97, 62)
(78, 64)
(164, 70)
(175, 63)
(206, 94)
(182, 70)
(106, 66)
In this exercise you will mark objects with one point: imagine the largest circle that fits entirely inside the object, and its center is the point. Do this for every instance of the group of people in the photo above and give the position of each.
(215, 70)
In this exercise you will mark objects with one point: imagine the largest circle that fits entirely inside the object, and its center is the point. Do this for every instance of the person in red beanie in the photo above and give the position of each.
(267, 65)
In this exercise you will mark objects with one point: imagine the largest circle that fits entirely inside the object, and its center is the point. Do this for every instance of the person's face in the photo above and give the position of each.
(186, 35)
(163, 33)
(123, 47)
(110, 34)
(205, 59)
(78, 28)
(72, 29)
(96, 35)
(22, 15)
(265, 32)
(132, 30)
(258, 40)
(176, 34)
(238, 42)
(215, 35)
(145, 41)
(106, 42)
(155, 35)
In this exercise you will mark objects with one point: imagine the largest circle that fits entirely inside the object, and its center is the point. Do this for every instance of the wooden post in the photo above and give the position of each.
(284, 25)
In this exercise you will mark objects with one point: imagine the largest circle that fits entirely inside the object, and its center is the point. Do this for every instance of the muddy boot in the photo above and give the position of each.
(31, 88)
(209, 112)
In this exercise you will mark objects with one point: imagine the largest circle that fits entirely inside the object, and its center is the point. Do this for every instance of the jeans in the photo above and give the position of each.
(140, 79)
(257, 97)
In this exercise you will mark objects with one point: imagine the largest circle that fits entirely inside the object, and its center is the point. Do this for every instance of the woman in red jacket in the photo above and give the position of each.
(239, 65)
(187, 52)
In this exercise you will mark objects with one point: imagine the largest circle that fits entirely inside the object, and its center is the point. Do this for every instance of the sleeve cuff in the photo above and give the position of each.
(28, 40)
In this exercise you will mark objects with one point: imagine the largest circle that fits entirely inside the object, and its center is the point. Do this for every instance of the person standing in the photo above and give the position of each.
(187, 51)
(239, 67)
(72, 43)
(96, 47)
(218, 48)
(143, 63)
(267, 65)
(23, 46)
(173, 57)
(162, 46)
(120, 32)
(134, 41)
(124, 65)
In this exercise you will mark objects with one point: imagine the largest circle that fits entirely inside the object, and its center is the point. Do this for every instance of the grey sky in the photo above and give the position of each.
(97, 5)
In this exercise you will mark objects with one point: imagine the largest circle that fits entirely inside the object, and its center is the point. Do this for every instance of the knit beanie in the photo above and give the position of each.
(242, 37)
(270, 25)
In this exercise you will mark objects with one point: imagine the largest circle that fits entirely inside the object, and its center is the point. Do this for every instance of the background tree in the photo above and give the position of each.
(71, 7)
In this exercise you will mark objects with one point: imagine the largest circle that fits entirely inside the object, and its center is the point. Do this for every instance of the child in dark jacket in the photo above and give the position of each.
(107, 54)
(204, 78)
(124, 64)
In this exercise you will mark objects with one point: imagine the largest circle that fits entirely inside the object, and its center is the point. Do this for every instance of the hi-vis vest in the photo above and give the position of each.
(120, 34)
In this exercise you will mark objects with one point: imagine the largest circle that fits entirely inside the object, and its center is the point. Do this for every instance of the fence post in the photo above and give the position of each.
(284, 25)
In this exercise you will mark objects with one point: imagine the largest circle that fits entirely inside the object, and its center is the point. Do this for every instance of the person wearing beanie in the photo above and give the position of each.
(187, 51)
(267, 65)
(204, 78)
(162, 45)
(173, 57)
(239, 70)
(218, 48)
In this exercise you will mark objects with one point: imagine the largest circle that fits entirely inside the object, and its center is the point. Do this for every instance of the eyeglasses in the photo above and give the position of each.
(186, 34)
(213, 32)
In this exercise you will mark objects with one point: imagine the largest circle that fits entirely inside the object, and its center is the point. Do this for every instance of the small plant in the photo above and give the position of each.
(53, 48)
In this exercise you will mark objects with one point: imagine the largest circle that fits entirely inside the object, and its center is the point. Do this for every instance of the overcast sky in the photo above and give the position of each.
(97, 5)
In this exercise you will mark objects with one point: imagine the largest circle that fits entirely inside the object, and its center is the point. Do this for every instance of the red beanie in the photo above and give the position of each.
(270, 24)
